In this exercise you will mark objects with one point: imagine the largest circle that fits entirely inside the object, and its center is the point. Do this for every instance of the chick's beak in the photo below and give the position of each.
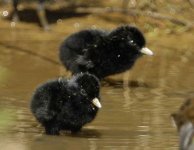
(146, 51)
(96, 102)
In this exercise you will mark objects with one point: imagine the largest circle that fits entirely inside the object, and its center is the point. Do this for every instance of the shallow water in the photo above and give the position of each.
(136, 104)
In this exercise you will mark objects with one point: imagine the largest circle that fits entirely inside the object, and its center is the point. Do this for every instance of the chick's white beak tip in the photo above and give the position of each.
(146, 51)
(96, 102)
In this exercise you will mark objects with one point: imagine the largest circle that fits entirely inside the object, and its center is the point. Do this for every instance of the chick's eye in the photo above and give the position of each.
(83, 92)
(132, 43)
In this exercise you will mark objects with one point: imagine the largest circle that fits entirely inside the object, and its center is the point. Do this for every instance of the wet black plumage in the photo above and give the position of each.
(66, 104)
(102, 53)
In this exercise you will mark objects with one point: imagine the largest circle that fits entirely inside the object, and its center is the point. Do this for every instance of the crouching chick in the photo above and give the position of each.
(66, 104)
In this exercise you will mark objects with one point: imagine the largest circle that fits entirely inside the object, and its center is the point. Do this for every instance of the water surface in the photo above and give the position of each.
(136, 104)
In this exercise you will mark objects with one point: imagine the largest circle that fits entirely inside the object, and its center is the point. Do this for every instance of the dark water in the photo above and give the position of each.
(135, 113)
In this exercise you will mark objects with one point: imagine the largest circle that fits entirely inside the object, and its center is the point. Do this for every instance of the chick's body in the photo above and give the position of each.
(66, 105)
(102, 53)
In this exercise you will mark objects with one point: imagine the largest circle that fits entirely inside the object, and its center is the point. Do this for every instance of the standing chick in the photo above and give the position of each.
(103, 53)
(66, 104)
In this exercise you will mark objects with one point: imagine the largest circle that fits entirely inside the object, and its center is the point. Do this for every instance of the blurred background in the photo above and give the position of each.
(136, 104)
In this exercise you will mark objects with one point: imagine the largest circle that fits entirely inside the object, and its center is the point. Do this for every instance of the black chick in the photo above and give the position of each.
(103, 53)
(66, 104)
